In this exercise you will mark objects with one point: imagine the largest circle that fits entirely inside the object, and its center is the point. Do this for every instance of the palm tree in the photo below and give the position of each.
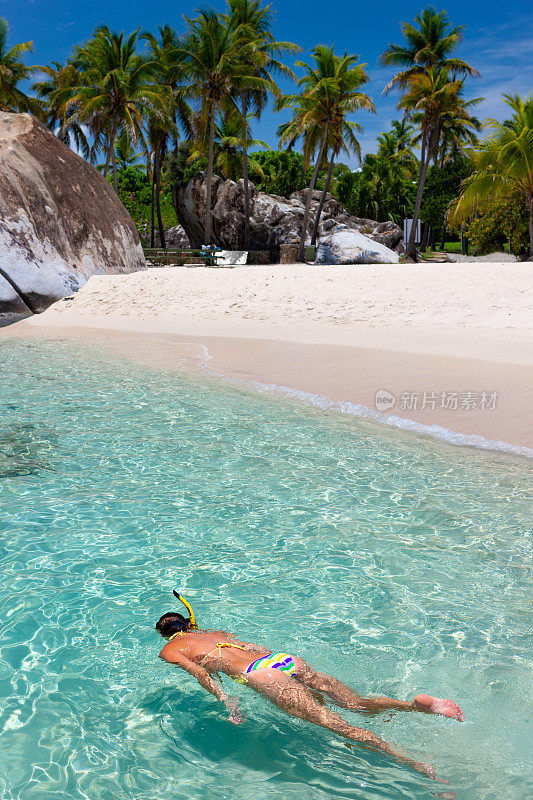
(504, 165)
(12, 72)
(116, 90)
(330, 92)
(162, 128)
(453, 127)
(426, 56)
(159, 129)
(56, 79)
(209, 53)
(229, 146)
(458, 130)
(124, 151)
(398, 142)
(343, 98)
(431, 95)
(255, 75)
(162, 51)
(381, 190)
(428, 45)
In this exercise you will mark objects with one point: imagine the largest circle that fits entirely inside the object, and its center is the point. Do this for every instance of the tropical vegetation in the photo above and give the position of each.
(503, 167)
(431, 83)
(13, 72)
(151, 110)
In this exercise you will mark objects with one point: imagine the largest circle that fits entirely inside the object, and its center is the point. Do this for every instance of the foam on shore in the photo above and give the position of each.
(393, 420)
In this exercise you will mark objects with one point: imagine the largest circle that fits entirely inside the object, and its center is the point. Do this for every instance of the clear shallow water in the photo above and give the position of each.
(397, 563)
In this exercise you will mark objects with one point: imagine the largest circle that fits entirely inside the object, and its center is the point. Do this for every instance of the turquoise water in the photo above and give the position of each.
(397, 563)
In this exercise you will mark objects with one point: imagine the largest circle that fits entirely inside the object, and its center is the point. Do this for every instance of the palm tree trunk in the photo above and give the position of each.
(410, 250)
(107, 162)
(209, 176)
(157, 176)
(424, 242)
(308, 200)
(152, 210)
(114, 156)
(176, 138)
(325, 190)
(245, 176)
(108, 156)
(443, 240)
(531, 225)
(115, 175)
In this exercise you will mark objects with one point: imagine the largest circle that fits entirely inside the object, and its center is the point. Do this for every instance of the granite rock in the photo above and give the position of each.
(274, 220)
(344, 245)
(60, 220)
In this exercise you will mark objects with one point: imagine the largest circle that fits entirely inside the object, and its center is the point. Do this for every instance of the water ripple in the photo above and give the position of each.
(398, 564)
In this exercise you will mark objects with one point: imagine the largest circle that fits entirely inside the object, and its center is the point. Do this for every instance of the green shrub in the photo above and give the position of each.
(491, 230)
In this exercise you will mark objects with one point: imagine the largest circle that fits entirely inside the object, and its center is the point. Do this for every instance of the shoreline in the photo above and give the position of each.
(442, 349)
(337, 370)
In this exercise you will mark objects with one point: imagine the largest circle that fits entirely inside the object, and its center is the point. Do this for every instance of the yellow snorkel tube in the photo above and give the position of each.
(192, 620)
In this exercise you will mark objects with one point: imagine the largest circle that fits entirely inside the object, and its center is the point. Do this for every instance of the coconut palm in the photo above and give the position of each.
(162, 51)
(307, 124)
(504, 165)
(229, 146)
(254, 79)
(159, 130)
(431, 95)
(453, 128)
(208, 53)
(344, 98)
(125, 152)
(330, 92)
(163, 128)
(116, 90)
(56, 79)
(431, 44)
(429, 67)
(458, 130)
(398, 143)
(13, 71)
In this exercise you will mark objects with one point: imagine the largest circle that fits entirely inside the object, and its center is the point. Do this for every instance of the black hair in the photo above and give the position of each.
(171, 623)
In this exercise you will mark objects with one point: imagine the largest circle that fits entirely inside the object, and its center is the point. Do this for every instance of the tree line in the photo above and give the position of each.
(191, 98)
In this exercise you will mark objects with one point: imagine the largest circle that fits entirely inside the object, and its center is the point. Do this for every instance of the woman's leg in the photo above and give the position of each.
(345, 697)
(297, 700)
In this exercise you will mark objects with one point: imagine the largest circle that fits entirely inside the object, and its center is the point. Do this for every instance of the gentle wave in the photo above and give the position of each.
(393, 420)
(364, 412)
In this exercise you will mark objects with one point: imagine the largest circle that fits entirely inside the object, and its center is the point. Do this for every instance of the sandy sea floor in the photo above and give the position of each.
(438, 345)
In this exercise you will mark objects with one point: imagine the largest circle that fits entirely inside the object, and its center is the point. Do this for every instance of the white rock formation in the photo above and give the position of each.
(343, 245)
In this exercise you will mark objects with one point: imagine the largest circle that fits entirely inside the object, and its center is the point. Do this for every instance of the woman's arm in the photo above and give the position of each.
(202, 675)
(206, 681)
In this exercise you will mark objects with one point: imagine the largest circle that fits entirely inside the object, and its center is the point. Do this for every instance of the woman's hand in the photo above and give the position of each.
(236, 715)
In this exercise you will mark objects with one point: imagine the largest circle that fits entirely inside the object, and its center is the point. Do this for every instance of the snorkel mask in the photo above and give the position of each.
(192, 621)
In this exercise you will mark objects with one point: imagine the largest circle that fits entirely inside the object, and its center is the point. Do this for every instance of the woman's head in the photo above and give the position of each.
(171, 623)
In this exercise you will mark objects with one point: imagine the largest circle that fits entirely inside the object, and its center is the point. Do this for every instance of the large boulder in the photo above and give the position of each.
(60, 220)
(176, 237)
(10, 302)
(274, 220)
(343, 245)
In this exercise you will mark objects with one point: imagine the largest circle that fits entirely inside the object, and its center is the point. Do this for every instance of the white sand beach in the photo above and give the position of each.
(453, 343)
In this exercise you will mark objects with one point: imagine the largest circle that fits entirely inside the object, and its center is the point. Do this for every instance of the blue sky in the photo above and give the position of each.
(498, 39)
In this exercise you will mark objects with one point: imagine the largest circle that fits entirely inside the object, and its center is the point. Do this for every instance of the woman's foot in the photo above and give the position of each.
(436, 705)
